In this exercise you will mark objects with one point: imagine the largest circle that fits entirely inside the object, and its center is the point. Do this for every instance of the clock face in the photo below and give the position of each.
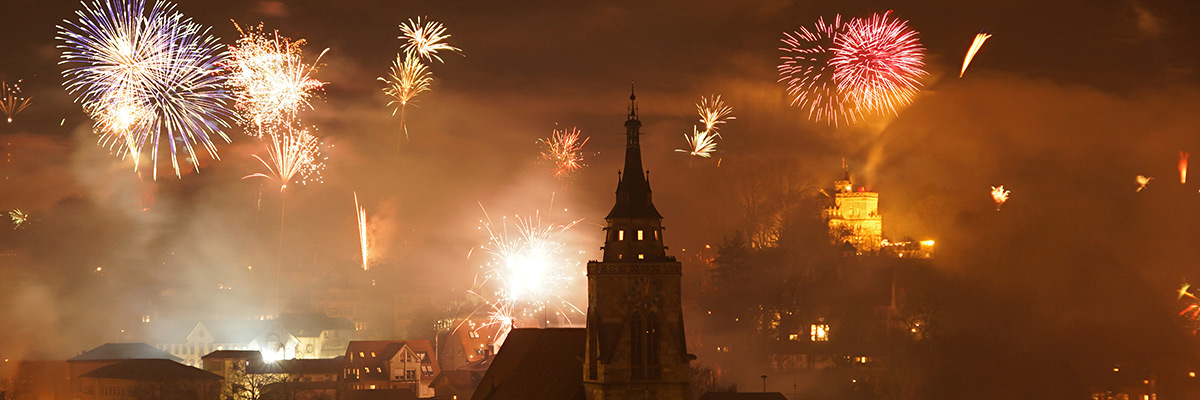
(646, 292)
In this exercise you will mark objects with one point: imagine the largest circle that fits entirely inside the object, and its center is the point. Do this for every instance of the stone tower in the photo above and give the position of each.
(635, 341)
(854, 216)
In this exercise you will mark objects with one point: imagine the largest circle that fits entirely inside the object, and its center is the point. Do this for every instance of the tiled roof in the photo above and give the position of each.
(124, 351)
(536, 364)
(151, 370)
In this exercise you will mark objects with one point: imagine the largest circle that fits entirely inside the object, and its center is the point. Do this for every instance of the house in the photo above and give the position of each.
(536, 364)
(382, 364)
(317, 335)
(109, 354)
(303, 379)
(149, 379)
(231, 366)
(470, 341)
(460, 383)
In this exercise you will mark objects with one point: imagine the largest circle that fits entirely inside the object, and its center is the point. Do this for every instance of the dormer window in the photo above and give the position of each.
(640, 234)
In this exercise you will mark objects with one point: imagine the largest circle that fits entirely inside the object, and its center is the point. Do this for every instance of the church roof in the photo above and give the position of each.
(124, 351)
(537, 364)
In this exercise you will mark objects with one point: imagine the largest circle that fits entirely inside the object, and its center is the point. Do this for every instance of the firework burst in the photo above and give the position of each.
(1183, 161)
(808, 73)
(979, 39)
(148, 77)
(564, 150)
(11, 102)
(1142, 180)
(294, 156)
(1191, 307)
(425, 40)
(408, 78)
(270, 79)
(713, 112)
(878, 62)
(999, 196)
(18, 218)
(700, 144)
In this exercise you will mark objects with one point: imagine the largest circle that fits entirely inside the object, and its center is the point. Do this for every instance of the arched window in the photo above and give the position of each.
(653, 369)
(637, 356)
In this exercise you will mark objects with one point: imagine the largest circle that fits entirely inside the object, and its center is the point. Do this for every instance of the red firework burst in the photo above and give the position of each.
(878, 62)
(809, 75)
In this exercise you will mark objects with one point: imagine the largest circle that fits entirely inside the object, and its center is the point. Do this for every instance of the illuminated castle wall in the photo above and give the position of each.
(854, 217)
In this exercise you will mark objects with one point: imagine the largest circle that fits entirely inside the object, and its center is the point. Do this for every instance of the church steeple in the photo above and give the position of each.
(633, 189)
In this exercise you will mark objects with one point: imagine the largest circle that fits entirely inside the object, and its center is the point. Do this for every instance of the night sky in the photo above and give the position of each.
(1064, 106)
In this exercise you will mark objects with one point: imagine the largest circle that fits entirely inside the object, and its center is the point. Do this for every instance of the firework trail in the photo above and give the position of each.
(294, 156)
(362, 232)
(878, 62)
(11, 102)
(564, 150)
(1183, 159)
(270, 80)
(408, 78)
(1142, 180)
(1191, 310)
(700, 144)
(808, 73)
(979, 39)
(713, 112)
(18, 218)
(425, 40)
(148, 77)
(999, 195)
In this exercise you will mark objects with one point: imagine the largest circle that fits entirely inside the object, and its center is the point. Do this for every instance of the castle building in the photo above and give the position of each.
(854, 216)
(635, 340)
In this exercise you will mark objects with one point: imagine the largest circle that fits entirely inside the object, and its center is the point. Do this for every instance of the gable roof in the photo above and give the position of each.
(536, 364)
(151, 370)
(124, 351)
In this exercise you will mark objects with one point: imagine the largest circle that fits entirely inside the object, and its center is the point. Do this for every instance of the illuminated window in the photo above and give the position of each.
(656, 234)
(794, 337)
(639, 234)
(819, 332)
(621, 234)
(361, 354)
(427, 370)
(641, 256)
(372, 354)
(473, 335)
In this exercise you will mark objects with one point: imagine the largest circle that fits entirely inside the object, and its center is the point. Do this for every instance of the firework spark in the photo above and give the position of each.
(1142, 180)
(425, 40)
(1191, 309)
(700, 144)
(147, 77)
(809, 75)
(294, 156)
(408, 78)
(270, 80)
(18, 218)
(713, 112)
(11, 102)
(999, 195)
(979, 39)
(564, 150)
(1183, 159)
(362, 232)
(878, 61)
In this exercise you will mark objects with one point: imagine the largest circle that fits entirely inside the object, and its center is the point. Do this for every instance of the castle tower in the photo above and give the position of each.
(854, 216)
(635, 341)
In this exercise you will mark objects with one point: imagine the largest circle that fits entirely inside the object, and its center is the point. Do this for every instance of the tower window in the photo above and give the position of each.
(639, 234)
(641, 256)
(621, 234)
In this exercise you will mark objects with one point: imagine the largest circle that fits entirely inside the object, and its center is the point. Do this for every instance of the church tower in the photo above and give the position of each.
(635, 341)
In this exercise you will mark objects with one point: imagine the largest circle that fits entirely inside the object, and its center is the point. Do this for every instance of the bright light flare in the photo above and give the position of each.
(879, 62)
(999, 196)
(148, 77)
(425, 40)
(1142, 180)
(363, 239)
(564, 150)
(11, 102)
(975, 45)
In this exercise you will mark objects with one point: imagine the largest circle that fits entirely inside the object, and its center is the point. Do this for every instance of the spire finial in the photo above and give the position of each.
(632, 102)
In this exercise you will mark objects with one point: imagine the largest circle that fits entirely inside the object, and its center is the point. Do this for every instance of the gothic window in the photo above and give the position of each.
(653, 370)
(637, 358)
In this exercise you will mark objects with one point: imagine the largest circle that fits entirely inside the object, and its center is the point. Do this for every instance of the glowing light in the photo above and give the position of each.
(425, 40)
(294, 155)
(999, 195)
(147, 77)
(808, 73)
(361, 213)
(270, 79)
(927, 243)
(1142, 180)
(700, 144)
(11, 102)
(878, 62)
(564, 150)
(975, 45)
(408, 78)
(18, 218)
(1183, 161)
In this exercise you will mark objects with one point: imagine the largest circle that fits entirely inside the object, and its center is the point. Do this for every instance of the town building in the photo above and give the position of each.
(387, 364)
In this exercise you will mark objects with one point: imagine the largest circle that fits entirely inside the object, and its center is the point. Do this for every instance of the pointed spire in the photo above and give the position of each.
(632, 103)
